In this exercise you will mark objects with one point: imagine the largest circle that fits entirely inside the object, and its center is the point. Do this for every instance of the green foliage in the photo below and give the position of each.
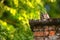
(54, 8)
(14, 18)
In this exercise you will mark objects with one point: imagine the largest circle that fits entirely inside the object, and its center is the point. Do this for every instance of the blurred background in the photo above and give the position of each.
(15, 16)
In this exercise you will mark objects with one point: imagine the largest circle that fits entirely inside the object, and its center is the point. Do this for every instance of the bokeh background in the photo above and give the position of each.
(15, 16)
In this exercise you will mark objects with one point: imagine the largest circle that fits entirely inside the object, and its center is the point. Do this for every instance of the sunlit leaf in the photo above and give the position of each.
(30, 4)
(16, 3)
